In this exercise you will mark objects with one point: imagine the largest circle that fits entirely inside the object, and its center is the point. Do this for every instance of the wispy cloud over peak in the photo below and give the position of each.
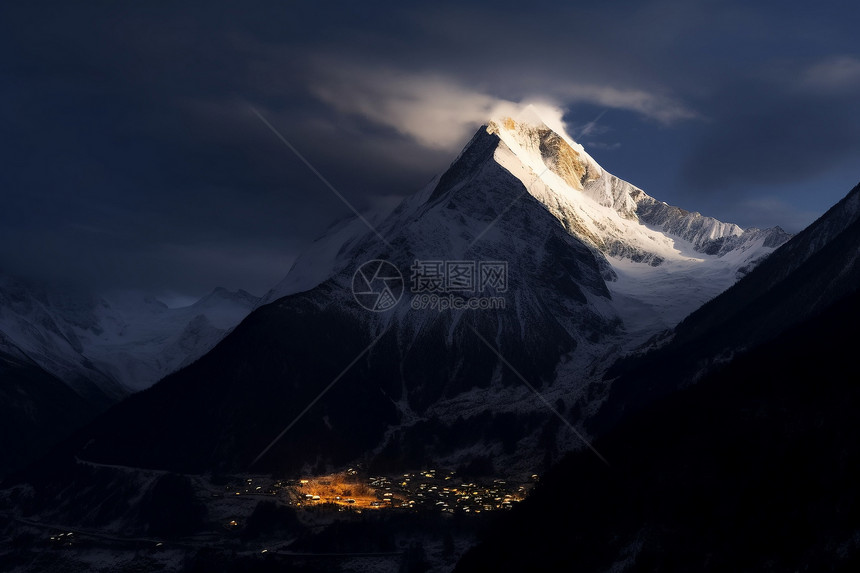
(834, 74)
(654, 106)
(431, 109)
(439, 112)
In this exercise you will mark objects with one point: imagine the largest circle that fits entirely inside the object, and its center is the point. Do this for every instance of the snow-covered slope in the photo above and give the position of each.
(105, 348)
(148, 340)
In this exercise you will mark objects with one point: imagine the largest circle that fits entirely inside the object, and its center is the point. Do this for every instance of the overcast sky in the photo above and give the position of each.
(132, 158)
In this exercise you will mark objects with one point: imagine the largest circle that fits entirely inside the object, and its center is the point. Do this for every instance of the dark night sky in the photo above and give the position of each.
(132, 159)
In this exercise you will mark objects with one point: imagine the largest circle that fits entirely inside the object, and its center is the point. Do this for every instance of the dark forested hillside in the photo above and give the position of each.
(36, 409)
(815, 268)
(754, 469)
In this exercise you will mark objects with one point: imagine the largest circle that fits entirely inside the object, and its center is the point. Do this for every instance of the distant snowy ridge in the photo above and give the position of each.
(107, 347)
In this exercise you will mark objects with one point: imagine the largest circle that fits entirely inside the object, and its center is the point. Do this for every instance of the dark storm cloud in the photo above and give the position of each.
(131, 150)
(779, 129)
(131, 156)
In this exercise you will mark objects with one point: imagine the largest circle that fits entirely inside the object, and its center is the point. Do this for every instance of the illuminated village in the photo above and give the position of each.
(431, 489)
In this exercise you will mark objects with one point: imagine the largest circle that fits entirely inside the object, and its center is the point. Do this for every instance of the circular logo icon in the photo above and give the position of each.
(377, 285)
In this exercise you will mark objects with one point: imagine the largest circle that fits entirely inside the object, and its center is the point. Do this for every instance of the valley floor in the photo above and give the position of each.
(347, 521)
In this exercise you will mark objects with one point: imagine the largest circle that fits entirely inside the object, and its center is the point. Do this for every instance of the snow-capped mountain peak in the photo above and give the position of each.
(660, 262)
(542, 148)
